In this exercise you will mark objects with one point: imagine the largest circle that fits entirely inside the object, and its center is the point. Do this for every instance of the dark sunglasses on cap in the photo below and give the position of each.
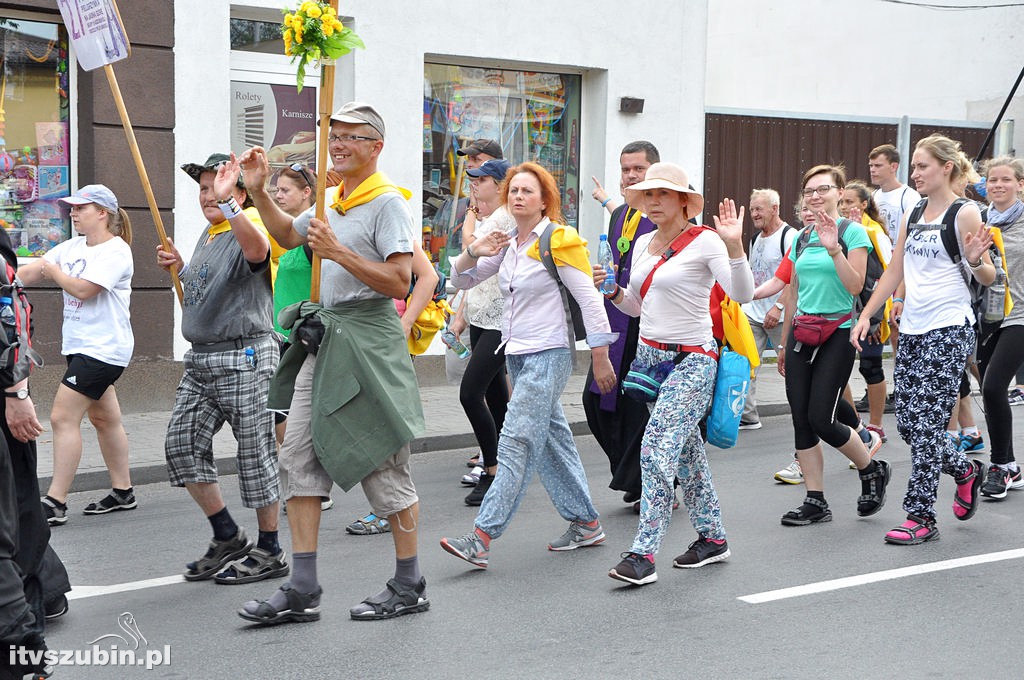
(297, 167)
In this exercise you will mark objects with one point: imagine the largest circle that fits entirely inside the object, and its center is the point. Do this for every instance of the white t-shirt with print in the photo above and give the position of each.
(936, 295)
(892, 205)
(765, 256)
(99, 327)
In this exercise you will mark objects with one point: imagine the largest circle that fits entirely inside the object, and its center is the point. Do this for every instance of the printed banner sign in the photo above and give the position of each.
(96, 32)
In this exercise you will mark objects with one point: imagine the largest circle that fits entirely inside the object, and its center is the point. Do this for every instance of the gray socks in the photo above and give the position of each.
(303, 579)
(407, 571)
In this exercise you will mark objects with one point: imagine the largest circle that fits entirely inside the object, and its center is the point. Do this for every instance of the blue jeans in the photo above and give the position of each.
(525, 446)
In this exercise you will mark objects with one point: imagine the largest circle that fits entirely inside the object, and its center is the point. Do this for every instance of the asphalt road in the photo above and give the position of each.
(540, 614)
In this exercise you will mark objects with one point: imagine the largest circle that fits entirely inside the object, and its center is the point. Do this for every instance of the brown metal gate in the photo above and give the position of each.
(743, 153)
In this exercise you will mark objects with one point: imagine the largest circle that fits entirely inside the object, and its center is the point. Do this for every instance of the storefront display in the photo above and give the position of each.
(276, 118)
(533, 116)
(34, 134)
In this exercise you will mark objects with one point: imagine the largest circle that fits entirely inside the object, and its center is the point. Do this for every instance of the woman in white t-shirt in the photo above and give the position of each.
(484, 391)
(936, 335)
(672, 298)
(95, 272)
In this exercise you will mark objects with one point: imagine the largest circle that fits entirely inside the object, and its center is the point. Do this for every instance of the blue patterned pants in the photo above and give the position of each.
(536, 438)
(672, 448)
(927, 381)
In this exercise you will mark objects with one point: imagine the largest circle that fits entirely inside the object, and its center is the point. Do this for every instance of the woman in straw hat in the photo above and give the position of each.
(675, 325)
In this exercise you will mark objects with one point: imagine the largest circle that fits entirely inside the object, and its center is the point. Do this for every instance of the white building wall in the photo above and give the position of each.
(664, 65)
(865, 58)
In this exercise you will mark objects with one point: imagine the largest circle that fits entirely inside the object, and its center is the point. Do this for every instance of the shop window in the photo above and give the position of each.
(252, 35)
(34, 134)
(533, 116)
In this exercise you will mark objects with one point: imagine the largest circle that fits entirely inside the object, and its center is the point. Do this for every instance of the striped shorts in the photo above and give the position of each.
(218, 388)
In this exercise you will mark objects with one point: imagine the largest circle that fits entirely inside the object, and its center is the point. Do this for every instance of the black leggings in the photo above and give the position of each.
(814, 387)
(998, 362)
(484, 391)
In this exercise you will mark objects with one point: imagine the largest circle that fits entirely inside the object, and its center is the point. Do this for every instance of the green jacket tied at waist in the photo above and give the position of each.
(366, 403)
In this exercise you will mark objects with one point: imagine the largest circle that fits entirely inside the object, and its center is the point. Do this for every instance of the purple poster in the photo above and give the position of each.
(276, 118)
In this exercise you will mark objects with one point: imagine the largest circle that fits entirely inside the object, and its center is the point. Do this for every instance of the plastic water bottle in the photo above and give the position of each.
(604, 258)
(454, 344)
(993, 299)
(9, 319)
(250, 357)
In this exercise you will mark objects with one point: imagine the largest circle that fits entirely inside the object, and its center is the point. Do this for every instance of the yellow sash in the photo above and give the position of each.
(253, 214)
(567, 248)
(370, 188)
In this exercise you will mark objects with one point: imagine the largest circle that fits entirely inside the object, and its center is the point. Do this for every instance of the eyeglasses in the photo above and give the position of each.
(350, 138)
(297, 167)
(820, 190)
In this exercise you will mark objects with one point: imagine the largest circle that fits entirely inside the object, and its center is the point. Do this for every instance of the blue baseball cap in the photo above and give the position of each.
(496, 168)
(93, 193)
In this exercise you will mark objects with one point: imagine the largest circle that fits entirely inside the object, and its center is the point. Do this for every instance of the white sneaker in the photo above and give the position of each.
(473, 476)
(872, 446)
(326, 503)
(791, 474)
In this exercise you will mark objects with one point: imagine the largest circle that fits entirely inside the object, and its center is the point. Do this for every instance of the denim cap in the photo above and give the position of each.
(496, 168)
(93, 193)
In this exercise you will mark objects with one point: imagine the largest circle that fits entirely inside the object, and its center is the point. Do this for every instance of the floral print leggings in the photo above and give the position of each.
(927, 383)
(672, 448)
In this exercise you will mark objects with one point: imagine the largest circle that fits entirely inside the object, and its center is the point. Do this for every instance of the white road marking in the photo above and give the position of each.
(79, 592)
(874, 577)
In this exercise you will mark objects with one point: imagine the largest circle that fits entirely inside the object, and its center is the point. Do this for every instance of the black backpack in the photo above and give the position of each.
(872, 272)
(16, 354)
(573, 315)
(952, 247)
(782, 240)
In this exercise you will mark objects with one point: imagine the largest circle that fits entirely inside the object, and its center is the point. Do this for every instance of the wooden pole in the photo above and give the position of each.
(326, 108)
(456, 195)
(141, 167)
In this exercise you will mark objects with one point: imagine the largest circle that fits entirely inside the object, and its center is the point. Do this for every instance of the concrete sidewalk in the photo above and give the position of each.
(447, 428)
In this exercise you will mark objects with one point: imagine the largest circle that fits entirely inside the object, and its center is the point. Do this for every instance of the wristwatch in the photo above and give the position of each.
(18, 394)
(779, 306)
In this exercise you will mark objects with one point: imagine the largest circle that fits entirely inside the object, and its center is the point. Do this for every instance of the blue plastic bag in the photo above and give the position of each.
(731, 385)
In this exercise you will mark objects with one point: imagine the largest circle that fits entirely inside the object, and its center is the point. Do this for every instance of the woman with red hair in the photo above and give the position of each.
(538, 354)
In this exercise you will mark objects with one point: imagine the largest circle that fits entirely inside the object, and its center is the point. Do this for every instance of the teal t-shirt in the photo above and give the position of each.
(820, 291)
(294, 273)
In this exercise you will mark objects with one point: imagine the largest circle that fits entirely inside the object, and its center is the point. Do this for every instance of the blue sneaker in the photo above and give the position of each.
(971, 443)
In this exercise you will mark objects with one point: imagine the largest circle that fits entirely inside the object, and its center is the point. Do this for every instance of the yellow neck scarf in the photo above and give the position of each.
(567, 249)
(224, 225)
(630, 225)
(370, 188)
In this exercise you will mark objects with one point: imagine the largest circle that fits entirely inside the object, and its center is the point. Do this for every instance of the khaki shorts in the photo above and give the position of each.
(389, 488)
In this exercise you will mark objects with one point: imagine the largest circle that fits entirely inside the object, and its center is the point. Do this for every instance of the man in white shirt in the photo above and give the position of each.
(892, 197)
(770, 244)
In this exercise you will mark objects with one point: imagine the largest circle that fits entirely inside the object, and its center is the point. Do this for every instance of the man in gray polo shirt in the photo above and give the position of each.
(360, 375)
(226, 315)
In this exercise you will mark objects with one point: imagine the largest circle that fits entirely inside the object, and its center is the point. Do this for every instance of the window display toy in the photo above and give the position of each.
(26, 189)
